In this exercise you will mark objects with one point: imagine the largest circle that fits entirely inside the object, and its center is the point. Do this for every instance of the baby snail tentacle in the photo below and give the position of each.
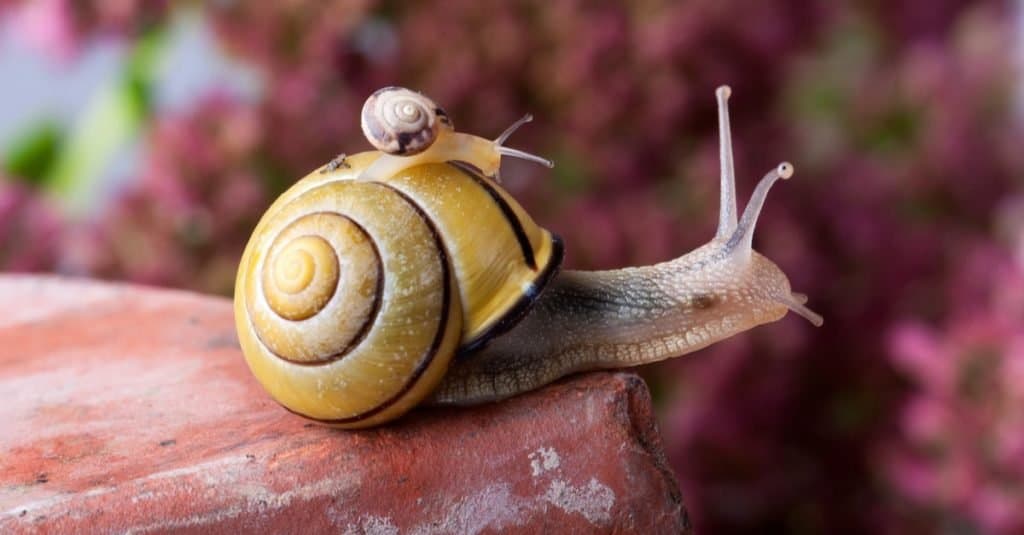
(364, 280)
(516, 153)
(410, 129)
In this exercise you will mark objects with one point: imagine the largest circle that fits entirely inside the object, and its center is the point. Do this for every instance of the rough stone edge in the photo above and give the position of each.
(638, 407)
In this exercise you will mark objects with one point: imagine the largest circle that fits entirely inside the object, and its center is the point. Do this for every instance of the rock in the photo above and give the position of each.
(131, 409)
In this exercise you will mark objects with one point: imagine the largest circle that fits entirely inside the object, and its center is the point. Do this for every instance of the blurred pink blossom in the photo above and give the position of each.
(48, 26)
(187, 220)
(959, 447)
(30, 229)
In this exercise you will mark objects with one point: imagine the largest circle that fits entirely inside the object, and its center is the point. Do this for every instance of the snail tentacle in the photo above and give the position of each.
(516, 153)
(727, 196)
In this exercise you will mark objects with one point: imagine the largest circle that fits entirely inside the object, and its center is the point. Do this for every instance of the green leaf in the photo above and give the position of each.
(114, 118)
(32, 155)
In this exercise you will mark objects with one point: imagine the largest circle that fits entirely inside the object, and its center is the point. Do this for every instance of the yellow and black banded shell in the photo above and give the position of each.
(353, 296)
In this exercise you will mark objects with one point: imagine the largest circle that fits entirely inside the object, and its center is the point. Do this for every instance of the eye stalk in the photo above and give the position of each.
(743, 234)
(738, 235)
(516, 153)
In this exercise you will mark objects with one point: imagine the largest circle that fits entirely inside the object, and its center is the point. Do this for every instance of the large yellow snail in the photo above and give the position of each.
(408, 275)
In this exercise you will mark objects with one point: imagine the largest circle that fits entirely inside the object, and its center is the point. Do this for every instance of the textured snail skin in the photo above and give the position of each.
(370, 287)
(621, 318)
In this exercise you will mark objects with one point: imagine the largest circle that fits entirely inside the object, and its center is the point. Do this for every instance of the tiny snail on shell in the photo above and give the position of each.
(363, 281)
(402, 122)
(409, 129)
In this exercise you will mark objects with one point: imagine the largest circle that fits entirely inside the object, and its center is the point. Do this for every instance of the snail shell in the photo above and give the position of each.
(353, 296)
(402, 122)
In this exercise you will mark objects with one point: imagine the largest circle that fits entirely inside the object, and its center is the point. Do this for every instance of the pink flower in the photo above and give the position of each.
(916, 351)
(48, 26)
(30, 229)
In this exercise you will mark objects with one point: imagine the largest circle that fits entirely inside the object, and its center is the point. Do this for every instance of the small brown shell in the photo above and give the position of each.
(402, 122)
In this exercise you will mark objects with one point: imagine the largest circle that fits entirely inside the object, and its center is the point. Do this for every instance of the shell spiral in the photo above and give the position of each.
(353, 295)
(304, 269)
(401, 122)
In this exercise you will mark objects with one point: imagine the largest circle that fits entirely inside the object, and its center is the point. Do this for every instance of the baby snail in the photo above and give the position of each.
(409, 129)
(408, 276)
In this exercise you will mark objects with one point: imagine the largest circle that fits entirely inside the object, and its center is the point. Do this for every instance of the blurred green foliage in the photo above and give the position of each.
(32, 155)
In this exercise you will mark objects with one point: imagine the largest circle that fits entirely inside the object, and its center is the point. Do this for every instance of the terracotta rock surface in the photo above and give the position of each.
(128, 409)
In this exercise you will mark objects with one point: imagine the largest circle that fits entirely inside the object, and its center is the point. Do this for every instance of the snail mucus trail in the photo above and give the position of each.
(407, 276)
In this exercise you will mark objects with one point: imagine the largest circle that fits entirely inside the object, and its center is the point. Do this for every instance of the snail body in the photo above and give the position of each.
(361, 284)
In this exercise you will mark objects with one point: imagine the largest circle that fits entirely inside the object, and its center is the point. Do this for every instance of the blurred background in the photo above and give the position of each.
(140, 141)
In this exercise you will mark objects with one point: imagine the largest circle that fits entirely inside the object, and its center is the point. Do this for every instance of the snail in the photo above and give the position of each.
(409, 129)
(391, 281)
